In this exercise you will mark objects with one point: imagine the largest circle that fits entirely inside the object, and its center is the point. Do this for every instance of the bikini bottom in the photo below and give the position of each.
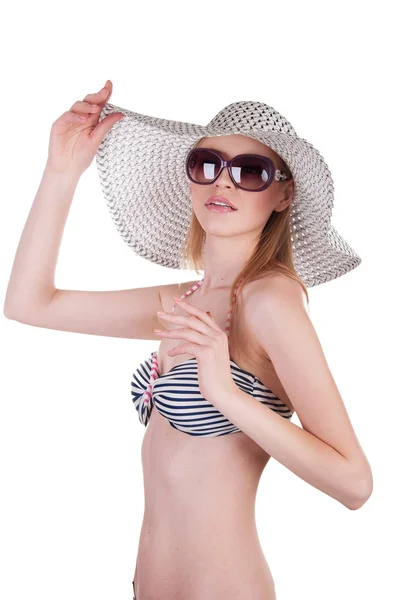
(134, 596)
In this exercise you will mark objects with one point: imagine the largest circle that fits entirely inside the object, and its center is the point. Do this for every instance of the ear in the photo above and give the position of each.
(286, 199)
(288, 192)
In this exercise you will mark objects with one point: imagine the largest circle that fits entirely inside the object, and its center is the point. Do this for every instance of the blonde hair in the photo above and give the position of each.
(273, 252)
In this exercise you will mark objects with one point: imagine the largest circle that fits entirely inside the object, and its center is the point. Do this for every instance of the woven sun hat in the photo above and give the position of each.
(141, 166)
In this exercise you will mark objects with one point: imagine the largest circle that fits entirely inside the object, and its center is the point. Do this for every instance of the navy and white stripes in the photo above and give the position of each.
(178, 399)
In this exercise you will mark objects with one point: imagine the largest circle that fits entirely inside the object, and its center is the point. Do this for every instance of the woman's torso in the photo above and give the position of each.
(198, 538)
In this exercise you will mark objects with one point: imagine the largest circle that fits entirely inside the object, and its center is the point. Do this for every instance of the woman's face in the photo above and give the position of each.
(253, 208)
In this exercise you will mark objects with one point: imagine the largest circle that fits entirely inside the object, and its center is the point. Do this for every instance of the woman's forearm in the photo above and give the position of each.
(311, 459)
(31, 281)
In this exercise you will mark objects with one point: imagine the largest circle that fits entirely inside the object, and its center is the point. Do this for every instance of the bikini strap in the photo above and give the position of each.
(229, 317)
(195, 287)
(192, 289)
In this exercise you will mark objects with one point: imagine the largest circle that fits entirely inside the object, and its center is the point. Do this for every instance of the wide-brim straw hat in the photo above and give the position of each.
(141, 165)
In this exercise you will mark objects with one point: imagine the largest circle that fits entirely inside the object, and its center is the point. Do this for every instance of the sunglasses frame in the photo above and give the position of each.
(273, 172)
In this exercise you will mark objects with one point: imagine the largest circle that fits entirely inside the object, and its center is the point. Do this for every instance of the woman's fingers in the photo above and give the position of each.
(85, 107)
(91, 105)
(101, 96)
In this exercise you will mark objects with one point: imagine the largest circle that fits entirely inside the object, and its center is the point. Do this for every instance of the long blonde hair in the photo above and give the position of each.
(273, 252)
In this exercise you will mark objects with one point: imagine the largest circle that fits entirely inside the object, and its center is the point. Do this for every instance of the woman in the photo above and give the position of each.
(238, 355)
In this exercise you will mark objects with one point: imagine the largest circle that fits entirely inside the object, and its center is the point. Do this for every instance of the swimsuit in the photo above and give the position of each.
(177, 396)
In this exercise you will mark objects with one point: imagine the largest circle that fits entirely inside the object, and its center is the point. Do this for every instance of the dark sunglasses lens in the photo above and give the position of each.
(203, 166)
(250, 172)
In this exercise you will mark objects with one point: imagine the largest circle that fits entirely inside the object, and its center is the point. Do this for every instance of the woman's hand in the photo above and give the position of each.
(208, 343)
(77, 134)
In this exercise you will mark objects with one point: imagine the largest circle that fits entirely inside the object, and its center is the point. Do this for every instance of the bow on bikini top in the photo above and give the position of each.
(177, 396)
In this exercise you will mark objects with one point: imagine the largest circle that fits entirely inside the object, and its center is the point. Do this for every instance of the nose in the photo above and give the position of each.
(224, 178)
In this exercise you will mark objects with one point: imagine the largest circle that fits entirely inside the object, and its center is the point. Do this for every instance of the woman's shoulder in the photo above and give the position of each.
(274, 286)
(258, 298)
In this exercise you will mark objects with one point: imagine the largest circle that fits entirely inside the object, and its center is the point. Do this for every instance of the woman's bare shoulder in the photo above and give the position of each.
(273, 283)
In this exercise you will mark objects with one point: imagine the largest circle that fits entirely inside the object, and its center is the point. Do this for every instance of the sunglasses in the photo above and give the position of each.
(249, 172)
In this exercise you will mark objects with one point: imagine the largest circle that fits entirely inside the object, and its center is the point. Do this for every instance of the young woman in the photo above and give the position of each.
(238, 353)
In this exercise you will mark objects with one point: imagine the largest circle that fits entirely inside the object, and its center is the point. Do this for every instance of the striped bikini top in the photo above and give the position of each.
(177, 396)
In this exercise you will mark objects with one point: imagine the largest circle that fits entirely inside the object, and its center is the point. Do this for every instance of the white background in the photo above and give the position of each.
(70, 439)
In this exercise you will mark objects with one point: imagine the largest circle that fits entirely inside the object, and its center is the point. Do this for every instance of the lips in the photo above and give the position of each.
(221, 199)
